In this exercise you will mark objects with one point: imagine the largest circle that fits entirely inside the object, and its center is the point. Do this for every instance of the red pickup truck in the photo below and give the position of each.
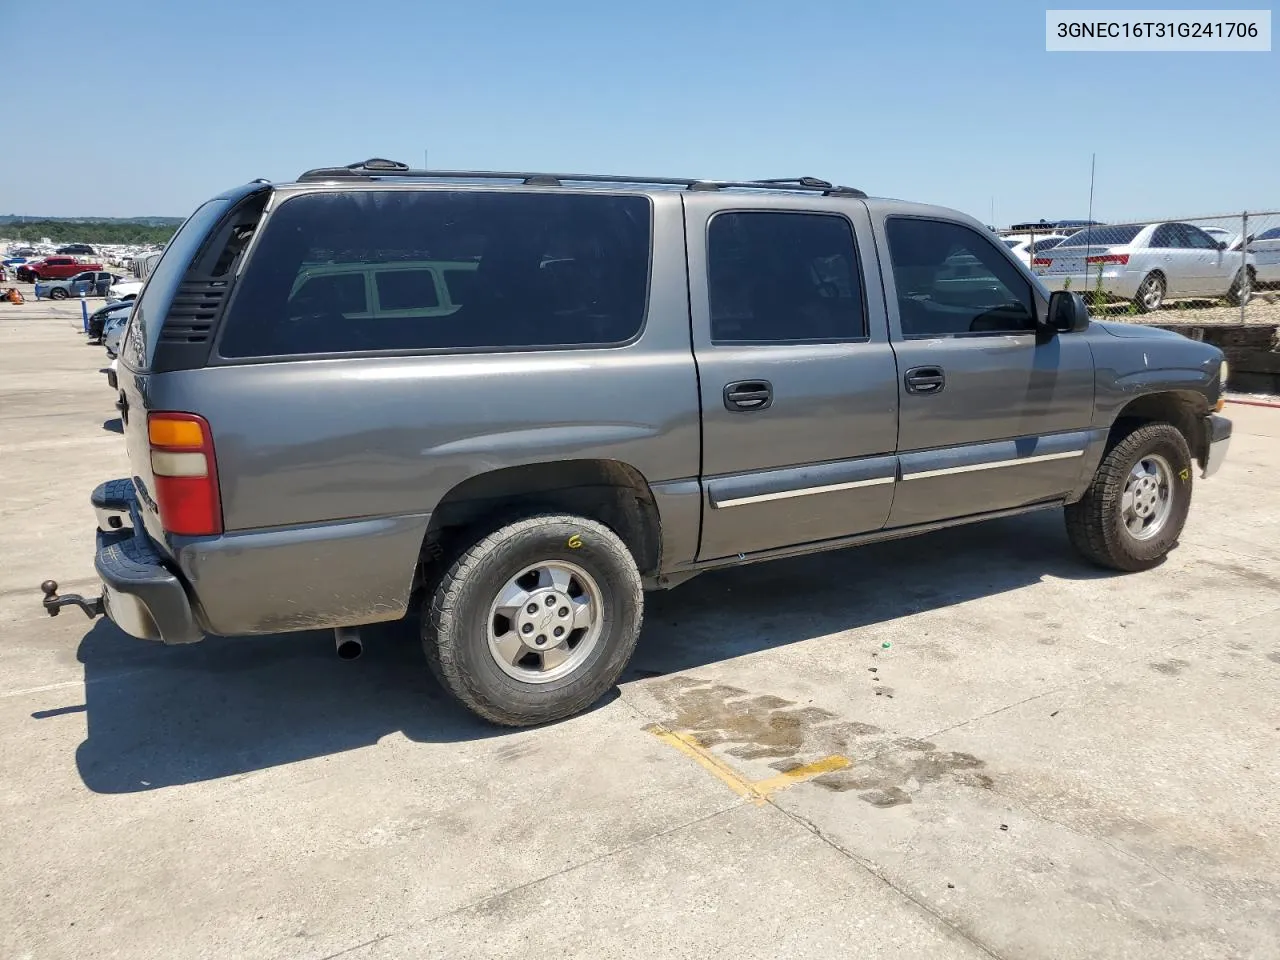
(54, 268)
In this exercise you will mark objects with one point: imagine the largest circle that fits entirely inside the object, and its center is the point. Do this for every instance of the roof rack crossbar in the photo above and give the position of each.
(377, 168)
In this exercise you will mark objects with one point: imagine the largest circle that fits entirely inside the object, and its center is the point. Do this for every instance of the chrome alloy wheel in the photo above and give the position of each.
(545, 621)
(1147, 500)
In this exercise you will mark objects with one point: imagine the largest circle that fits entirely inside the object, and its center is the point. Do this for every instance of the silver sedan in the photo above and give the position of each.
(1146, 264)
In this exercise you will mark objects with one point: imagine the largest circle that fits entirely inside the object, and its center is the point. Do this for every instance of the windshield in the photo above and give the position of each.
(153, 302)
(1103, 236)
(1011, 243)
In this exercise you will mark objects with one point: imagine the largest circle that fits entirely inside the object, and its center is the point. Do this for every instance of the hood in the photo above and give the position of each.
(1135, 331)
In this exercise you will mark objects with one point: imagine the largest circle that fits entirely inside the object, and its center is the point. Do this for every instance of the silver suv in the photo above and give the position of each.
(517, 401)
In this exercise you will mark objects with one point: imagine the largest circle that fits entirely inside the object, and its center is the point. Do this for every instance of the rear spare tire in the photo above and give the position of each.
(536, 621)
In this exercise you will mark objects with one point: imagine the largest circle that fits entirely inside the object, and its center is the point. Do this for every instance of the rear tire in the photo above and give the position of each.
(510, 668)
(1151, 293)
(1137, 503)
(1236, 292)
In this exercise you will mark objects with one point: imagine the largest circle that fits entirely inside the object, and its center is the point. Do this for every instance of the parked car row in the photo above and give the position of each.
(88, 283)
(1147, 264)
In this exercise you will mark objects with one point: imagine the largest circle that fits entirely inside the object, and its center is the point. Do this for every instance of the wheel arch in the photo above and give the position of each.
(609, 491)
(1184, 409)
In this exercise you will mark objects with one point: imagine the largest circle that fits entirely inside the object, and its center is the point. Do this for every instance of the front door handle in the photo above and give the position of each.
(745, 395)
(925, 380)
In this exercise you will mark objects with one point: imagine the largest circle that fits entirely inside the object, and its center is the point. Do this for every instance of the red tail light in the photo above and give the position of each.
(1042, 261)
(186, 473)
(1108, 258)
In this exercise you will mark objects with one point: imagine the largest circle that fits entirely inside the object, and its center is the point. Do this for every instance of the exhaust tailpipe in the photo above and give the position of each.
(348, 643)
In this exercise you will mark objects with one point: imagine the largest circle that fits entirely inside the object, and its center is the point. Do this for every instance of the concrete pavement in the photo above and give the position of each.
(1040, 760)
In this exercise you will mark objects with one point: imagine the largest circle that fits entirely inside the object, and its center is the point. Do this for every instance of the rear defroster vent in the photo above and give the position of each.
(195, 307)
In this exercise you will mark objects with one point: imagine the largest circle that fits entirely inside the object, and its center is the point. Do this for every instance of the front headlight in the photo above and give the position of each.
(1223, 370)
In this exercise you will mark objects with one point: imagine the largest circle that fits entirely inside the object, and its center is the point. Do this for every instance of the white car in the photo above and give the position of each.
(1265, 250)
(1144, 263)
(124, 290)
(113, 332)
(1022, 247)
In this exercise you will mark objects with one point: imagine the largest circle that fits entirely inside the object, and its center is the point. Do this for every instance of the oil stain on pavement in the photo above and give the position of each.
(883, 771)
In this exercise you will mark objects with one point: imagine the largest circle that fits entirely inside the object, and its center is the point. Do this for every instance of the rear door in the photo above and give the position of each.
(1171, 253)
(991, 417)
(796, 374)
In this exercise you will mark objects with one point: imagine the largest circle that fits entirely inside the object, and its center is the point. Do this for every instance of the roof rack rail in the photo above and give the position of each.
(377, 167)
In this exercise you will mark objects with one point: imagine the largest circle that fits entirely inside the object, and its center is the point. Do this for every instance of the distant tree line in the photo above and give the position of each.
(87, 231)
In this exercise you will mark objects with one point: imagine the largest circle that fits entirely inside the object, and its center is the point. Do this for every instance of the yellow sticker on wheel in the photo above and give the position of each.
(1185, 474)
(574, 542)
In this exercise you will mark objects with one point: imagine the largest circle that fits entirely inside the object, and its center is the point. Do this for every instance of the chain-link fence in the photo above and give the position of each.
(1201, 270)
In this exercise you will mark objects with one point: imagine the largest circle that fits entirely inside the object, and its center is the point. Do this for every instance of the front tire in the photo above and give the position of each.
(57, 293)
(536, 621)
(1136, 505)
(1151, 293)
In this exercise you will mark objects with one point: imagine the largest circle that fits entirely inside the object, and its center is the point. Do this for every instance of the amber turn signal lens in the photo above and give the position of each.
(174, 433)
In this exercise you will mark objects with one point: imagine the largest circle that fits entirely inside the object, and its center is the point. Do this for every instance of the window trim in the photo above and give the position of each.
(895, 311)
(216, 358)
(792, 341)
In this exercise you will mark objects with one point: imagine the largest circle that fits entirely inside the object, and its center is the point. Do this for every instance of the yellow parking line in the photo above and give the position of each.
(757, 791)
(800, 774)
(690, 747)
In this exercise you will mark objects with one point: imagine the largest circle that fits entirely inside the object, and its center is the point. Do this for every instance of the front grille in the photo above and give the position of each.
(194, 308)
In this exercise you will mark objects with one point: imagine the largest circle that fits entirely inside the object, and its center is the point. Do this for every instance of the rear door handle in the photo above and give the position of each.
(745, 395)
(924, 380)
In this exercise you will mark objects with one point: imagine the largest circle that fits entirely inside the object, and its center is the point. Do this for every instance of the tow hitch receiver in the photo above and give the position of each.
(53, 603)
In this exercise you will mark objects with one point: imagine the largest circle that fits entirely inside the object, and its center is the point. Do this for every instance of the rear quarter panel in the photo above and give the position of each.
(329, 468)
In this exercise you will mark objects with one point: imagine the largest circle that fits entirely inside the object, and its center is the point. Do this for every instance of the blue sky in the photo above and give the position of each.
(946, 102)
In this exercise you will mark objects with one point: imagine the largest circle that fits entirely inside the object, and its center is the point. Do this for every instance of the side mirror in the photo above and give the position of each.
(1222, 244)
(1067, 312)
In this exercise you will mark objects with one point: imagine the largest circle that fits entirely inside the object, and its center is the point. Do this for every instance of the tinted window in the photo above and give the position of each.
(596, 295)
(161, 286)
(1198, 238)
(343, 292)
(783, 277)
(1047, 244)
(1011, 243)
(1103, 236)
(951, 280)
(1272, 234)
(406, 289)
(1167, 236)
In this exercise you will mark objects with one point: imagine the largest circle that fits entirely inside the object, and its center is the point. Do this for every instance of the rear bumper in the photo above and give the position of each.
(1115, 282)
(140, 594)
(1219, 433)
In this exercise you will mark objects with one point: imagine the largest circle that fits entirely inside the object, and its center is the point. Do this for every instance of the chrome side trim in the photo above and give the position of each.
(806, 491)
(1016, 462)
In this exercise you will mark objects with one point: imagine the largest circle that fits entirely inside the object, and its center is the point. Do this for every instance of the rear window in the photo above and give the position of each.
(519, 270)
(1103, 236)
(406, 289)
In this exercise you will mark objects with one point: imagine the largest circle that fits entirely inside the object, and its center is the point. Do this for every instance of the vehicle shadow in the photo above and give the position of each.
(160, 716)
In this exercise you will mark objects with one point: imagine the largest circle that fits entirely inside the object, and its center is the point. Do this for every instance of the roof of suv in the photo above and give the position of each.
(378, 169)
(390, 174)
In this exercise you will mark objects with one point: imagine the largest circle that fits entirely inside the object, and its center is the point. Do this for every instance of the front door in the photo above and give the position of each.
(991, 418)
(797, 377)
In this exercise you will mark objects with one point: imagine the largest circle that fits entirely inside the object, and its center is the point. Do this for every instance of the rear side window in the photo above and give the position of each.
(520, 270)
(783, 277)
(950, 281)
(162, 285)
